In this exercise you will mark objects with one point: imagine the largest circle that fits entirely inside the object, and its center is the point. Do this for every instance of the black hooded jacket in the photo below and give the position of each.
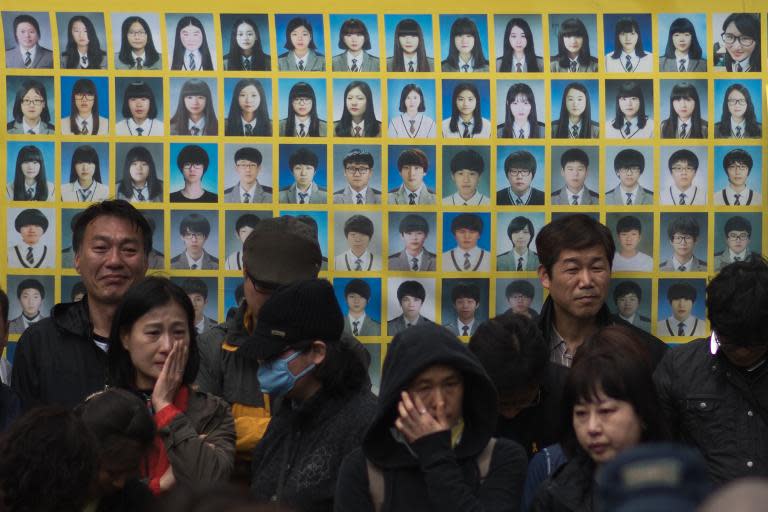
(437, 478)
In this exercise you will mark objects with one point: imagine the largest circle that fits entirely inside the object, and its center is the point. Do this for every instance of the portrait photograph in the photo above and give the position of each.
(412, 242)
(519, 43)
(194, 238)
(682, 42)
(193, 103)
(575, 109)
(629, 109)
(238, 224)
(633, 235)
(464, 305)
(136, 41)
(203, 293)
(683, 242)
(245, 42)
(683, 175)
(356, 108)
(247, 105)
(84, 106)
(302, 107)
(410, 44)
(248, 173)
(194, 173)
(67, 227)
(360, 301)
(156, 220)
(30, 171)
(628, 41)
(303, 174)
(466, 175)
(461, 43)
(357, 241)
(72, 289)
(412, 108)
(82, 40)
(31, 237)
(355, 43)
(410, 302)
(684, 110)
(520, 175)
(139, 107)
(736, 37)
(191, 42)
(466, 242)
(234, 296)
(28, 40)
(516, 241)
(466, 109)
(318, 223)
(85, 172)
(575, 175)
(300, 42)
(738, 177)
(738, 237)
(411, 176)
(629, 174)
(139, 172)
(30, 300)
(30, 105)
(681, 308)
(570, 47)
(357, 174)
(632, 301)
(738, 109)
(519, 296)
(519, 114)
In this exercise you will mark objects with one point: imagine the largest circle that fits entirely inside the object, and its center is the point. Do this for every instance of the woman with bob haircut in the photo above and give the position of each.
(302, 120)
(84, 118)
(83, 50)
(684, 120)
(137, 48)
(631, 121)
(465, 54)
(355, 41)
(519, 54)
(245, 50)
(302, 54)
(741, 39)
(29, 179)
(575, 121)
(466, 121)
(248, 111)
(409, 54)
(520, 119)
(573, 55)
(84, 177)
(683, 51)
(412, 123)
(153, 353)
(359, 116)
(521, 257)
(628, 53)
(195, 114)
(609, 405)
(738, 120)
(30, 110)
(190, 47)
(139, 182)
(140, 111)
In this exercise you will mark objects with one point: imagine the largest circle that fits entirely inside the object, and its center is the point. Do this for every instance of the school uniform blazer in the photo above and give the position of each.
(594, 129)
(447, 67)
(704, 130)
(100, 193)
(15, 127)
(16, 258)
(209, 262)
(646, 132)
(317, 195)
(9, 192)
(694, 65)
(642, 322)
(102, 64)
(454, 328)
(261, 194)
(156, 128)
(401, 261)
(500, 129)
(369, 327)
(43, 58)
(400, 196)
(397, 324)
(723, 258)
(697, 265)
(562, 196)
(718, 135)
(430, 65)
(158, 64)
(616, 196)
(16, 326)
(343, 264)
(399, 127)
(103, 127)
(508, 261)
(665, 328)
(555, 67)
(644, 65)
(539, 62)
(322, 129)
(156, 259)
(721, 198)
(369, 63)
(485, 132)
(345, 196)
(337, 123)
(452, 263)
(314, 62)
(535, 199)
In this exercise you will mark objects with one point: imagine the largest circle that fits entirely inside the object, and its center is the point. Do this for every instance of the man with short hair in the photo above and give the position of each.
(574, 168)
(303, 165)
(738, 232)
(31, 293)
(358, 171)
(467, 228)
(627, 296)
(683, 166)
(5, 365)
(244, 225)
(683, 233)
(31, 224)
(465, 298)
(628, 258)
(737, 164)
(467, 166)
(520, 169)
(681, 297)
(248, 189)
(358, 231)
(519, 296)
(414, 230)
(413, 165)
(194, 230)
(28, 53)
(629, 165)
(357, 293)
(197, 291)
(112, 241)
(410, 296)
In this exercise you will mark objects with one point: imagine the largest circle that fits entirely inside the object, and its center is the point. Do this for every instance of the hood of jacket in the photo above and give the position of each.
(411, 352)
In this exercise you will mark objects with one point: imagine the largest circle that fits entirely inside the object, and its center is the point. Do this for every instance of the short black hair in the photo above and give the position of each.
(118, 208)
(139, 89)
(31, 217)
(572, 232)
(192, 285)
(195, 223)
(520, 160)
(358, 224)
(411, 288)
(681, 290)
(192, 154)
(30, 284)
(628, 223)
(467, 159)
(292, 25)
(413, 156)
(302, 156)
(684, 155)
(469, 221)
(413, 222)
(627, 158)
(737, 223)
(358, 156)
(685, 224)
(354, 26)
(574, 155)
(521, 287)
(518, 224)
(25, 18)
(250, 154)
(737, 299)
(465, 291)
(740, 156)
(625, 288)
(359, 287)
(247, 220)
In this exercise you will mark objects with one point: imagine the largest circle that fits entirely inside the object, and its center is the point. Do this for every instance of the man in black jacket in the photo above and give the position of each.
(714, 391)
(62, 359)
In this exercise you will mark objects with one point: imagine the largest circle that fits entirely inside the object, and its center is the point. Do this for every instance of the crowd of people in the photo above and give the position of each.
(117, 404)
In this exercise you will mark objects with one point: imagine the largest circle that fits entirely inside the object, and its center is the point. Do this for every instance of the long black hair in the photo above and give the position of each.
(180, 119)
(302, 90)
(515, 90)
(477, 117)
(623, 26)
(154, 185)
(749, 25)
(751, 126)
(179, 50)
(679, 91)
(151, 55)
(30, 154)
(95, 53)
(461, 27)
(630, 89)
(569, 28)
(263, 123)
(682, 26)
(84, 86)
(530, 52)
(586, 118)
(24, 88)
(85, 154)
(409, 27)
(372, 125)
(259, 59)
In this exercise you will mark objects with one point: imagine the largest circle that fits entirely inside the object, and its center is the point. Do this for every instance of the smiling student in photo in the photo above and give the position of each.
(358, 170)
(521, 258)
(629, 165)
(248, 165)
(137, 48)
(195, 111)
(302, 52)
(28, 53)
(302, 120)
(574, 168)
(465, 54)
(413, 165)
(83, 49)
(467, 228)
(684, 121)
(246, 52)
(573, 54)
(466, 121)
(140, 110)
(628, 53)
(29, 179)
(467, 167)
(355, 41)
(358, 119)
(139, 181)
(84, 178)
(412, 122)
(683, 165)
(519, 55)
(193, 163)
(30, 110)
(739, 118)
(190, 47)
(84, 118)
(737, 165)
(248, 111)
(520, 169)
(520, 117)
(409, 54)
(683, 52)
(575, 121)
(741, 41)
(631, 120)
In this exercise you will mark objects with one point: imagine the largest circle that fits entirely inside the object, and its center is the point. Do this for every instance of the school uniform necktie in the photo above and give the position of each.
(358, 265)
(737, 68)
(628, 65)
(629, 198)
(354, 65)
(246, 63)
(302, 198)
(30, 194)
(681, 329)
(681, 268)
(84, 128)
(574, 132)
(359, 197)
(684, 131)
(301, 65)
(140, 195)
(30, 257)
(138, 63)
(738, 132)
(31, 132)
(627, 128)
(737, 258)
(465, 68)
(575, 199)
(194, 131)
(355, 329)
(519, 264)
(84, 62)
(302, 132)
(28, 60)
(681, 68)
(248, 129)
(413, 126)
(467, 263)
(194, 266)
(466, 134)
(246, 198)
(465, 330)
(412, 198)
(415, 264)
(521, 134)
(140, 131)
(519, 68)
(518, 202)
(737, 202)
(681, 202)
(192, 66)
(358, 131)
(573, 67)
(410, 67)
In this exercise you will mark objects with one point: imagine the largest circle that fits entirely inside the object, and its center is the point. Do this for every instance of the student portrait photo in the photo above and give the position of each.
(361, 298)
(84, 106)
(197, 166)
(355, 232)
(519, 232)
(69, 218)
(304, 41)
(633, 238)
(629, 167)
(412, 170)
(685, 185)
(188, 41)
(193, 244)
(195, 112)
(685, 232)
(680, 311)
(410, 303)
(467, 307)
(570, 183)
(31, 34)
(32, 245)
(31, 114)
(516, 50)
(570, 36)
(464, 177)
(411, 231)
(30, 294)
(683, 51)
(737, 42)
(470, 112)
(685, 114)
(736, 239)
(411, 40)
(628, 300)
(249, 104)
(463, 46)
(467, 242)
(358, 42)
(304, 108)
(245, 42)
(737, 165)
(357, 105)
(518, 296)
(26, 168)
(197, 289)
(82, 40)
(628, 42)
(739, 115)
(577, 113)
(139, 180)
(519, 169)
(239, 225)
(156, 221)
(411, 110)
(358, 165)
(250, 167)
(522, 118)
(632, 115)
(85, 183)
(303, 175)
(141, 108)
(72, 287)
(137, 44)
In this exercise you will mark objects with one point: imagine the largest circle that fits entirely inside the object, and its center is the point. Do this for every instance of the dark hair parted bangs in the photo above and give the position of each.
(372, 125)
(125, 56)
(524, 90)
(683, 26)
(24, 88)
(573, 27)
(477, 117)
(465, 26)
(259, 59)
(404, 94)
(293, 25)
(178, 48)
(751, 126)
(624, 26)
(529, 51)
(354, 26)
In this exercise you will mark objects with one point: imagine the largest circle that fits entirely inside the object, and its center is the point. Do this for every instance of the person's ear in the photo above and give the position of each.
(317, 352)
(543, 276)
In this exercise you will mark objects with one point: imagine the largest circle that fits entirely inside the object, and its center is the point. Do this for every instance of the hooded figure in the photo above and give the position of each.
(456, 467)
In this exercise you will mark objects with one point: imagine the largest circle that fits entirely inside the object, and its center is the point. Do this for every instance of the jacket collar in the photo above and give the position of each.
(73, 317)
